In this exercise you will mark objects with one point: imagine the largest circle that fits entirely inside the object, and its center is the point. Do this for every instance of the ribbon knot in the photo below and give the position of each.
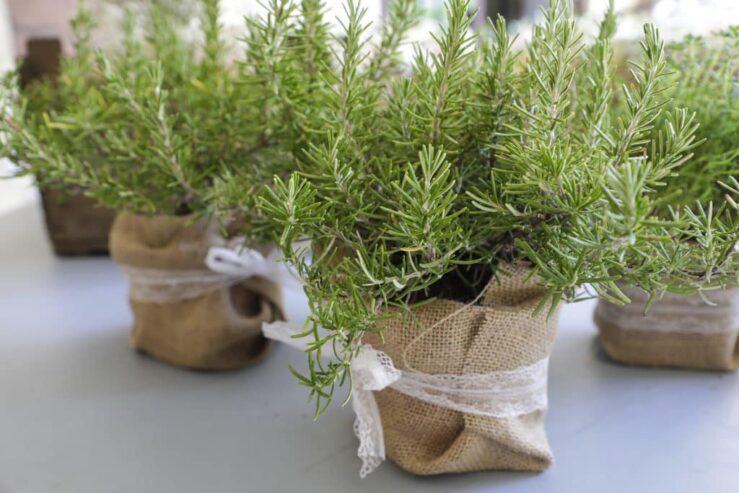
(238, 262)
(225, 266)
(244, 262)
(373, 369)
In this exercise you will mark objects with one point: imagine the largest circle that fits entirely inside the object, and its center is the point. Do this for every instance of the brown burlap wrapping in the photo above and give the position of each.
(76, 224)
(498, 334)
(219, 330)
(678, 331)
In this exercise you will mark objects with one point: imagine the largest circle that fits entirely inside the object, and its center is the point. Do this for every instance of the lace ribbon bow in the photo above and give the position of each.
(243, 263)
(501, 394)
(226, 266)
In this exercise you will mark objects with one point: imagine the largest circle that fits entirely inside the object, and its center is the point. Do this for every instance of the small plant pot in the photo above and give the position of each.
(678, 331)
(497, 336)
(183, 318)
(76, 224)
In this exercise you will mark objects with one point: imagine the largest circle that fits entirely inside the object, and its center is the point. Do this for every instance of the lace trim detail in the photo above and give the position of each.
(667, 316)
(502, 394)
(171, 286)
(368, 429)
(227, 266)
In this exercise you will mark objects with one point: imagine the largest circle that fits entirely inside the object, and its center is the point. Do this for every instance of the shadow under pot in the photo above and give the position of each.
(184, 314)
(483, 368)
(76, 224)
(678, 331)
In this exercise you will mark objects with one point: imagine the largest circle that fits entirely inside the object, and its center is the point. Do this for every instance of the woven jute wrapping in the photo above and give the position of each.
(678, 331)
(76, 224)
(497, 334)
(218, 330)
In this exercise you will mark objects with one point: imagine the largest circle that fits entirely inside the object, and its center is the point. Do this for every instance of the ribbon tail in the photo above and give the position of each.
(287, 272)
(371, 370)
(285, 332)
(368, 428)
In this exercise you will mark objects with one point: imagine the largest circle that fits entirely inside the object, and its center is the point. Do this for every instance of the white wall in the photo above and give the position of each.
(674, 18)
(235, 10)
(16, 192)
(7, 46)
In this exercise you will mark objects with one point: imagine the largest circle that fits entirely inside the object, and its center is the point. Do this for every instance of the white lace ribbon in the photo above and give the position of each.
(500, 394)
(676, 314)
(227, 265)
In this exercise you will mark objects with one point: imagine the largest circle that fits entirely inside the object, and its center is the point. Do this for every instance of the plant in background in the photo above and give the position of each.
(154, 124)
(32, 135)
(478, 160)
(180, 120)
(166, 116)
(690, 319)
(52, 127)
(703, 195)
(705, 77)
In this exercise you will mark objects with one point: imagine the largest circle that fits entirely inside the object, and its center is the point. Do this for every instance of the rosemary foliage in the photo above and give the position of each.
(35, 128)
(702, 197)
(152, 127)
(298, 76)
(480, 157)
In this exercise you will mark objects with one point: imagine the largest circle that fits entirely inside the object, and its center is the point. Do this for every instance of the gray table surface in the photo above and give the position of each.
(82, 413)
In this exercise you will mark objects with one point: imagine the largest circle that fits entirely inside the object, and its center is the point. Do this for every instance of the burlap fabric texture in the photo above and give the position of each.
(218, 330)
(76, 225)
(678, 331)
(497, 334)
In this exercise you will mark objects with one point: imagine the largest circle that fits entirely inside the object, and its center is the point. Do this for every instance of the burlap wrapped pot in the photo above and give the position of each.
(219, 329)
(498, 334)
(76, 224)
(678, 331)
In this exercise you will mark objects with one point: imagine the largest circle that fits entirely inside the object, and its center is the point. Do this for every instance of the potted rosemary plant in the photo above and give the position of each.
(694, 321)
(185, 120)
(168, 117)
(451, 214)
(54, 89)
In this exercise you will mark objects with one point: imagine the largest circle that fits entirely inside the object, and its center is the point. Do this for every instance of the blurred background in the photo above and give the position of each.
(23, 21)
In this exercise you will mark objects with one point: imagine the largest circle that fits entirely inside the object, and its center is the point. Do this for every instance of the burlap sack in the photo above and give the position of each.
(76, 224)
(498, 334)
(219, 330)
(678, 331)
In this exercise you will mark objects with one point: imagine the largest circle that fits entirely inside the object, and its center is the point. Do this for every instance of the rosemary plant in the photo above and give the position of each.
(703, 196)
(706, 73)
(179, 119)
(482, 156)
(152, 127)
(51, 125)
(31, 134)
